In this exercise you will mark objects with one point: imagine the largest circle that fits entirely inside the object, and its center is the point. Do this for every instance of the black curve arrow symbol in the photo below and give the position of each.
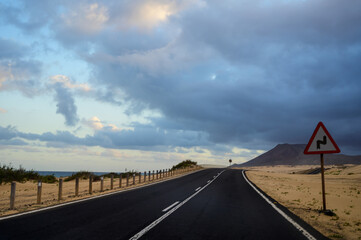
(323, 142)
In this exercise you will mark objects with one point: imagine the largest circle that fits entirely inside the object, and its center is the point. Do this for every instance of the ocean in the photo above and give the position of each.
(59, 174)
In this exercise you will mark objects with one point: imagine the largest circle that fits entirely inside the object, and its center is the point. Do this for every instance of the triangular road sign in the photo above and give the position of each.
(321, 142)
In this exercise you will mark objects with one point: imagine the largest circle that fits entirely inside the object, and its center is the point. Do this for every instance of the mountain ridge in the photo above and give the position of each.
(292, 154)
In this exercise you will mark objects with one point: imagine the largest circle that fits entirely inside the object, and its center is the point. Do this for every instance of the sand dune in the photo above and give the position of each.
(301, 193)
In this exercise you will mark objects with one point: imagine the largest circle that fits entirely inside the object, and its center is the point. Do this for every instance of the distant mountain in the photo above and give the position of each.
(292, 154)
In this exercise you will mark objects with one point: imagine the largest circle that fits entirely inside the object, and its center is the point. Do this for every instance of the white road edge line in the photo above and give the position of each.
(166, 209)
(89, 198)
(198, 189)
(295, 224)
(153, 224)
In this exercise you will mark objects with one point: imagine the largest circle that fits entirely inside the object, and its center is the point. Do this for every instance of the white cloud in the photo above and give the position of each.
(87, 19)
(67, 83)
(145, 14)
(94, 123)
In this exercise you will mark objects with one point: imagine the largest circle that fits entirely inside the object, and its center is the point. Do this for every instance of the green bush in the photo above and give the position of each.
(9, 174)
(81, 175)
(184, 164)
(48, 179)
(86, 175)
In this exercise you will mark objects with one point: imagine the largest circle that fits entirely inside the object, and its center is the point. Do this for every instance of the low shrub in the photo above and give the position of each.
(9, 174)
(184, 164)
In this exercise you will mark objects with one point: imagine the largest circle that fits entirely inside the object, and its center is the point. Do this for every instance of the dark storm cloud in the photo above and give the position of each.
(245, 73)
(278, 69)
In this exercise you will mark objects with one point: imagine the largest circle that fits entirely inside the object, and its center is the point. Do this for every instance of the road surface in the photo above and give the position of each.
(209, 204)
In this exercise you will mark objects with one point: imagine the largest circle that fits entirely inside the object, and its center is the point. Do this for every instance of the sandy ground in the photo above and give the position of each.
(26, 193)
(302, 194)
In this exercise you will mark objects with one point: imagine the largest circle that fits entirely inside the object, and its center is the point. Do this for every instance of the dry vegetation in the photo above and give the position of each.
(301, 194)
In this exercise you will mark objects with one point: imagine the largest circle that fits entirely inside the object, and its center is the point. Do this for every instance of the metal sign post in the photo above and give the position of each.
(321, 142)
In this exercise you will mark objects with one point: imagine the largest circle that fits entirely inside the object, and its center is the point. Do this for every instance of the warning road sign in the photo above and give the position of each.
(321, 142)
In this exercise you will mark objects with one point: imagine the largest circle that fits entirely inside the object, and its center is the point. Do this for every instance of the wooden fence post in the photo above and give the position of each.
(38, 199)
(101, 184)
(153, 175)
(90, 185)
(111, 181)
(133, 178)
(76, 186)
(140, 177)
(149, 176)
(157, 174)
(12, 195)
(127, 179)
(60, 193)
(120, 180)
(145, 176)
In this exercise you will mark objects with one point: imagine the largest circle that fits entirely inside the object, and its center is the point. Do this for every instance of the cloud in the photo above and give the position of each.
(94, 123)
(277, 74)
(16, 71)
(7, 133)
(86, 18)
(67, 83)
(143, 137)
(65, 104)
(239, 73)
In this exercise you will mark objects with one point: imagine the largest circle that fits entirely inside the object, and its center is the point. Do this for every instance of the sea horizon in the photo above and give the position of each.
(59, 174)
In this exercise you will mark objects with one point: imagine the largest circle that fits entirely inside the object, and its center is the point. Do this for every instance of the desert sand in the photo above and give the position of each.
(26, 193)
(302, 194)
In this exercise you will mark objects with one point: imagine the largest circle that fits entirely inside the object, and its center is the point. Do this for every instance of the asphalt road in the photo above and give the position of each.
(209, 204)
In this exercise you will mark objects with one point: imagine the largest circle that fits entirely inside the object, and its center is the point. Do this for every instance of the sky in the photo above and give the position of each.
(144, 84)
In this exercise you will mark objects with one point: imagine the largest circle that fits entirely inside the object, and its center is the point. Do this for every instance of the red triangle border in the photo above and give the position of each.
(320, 124)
